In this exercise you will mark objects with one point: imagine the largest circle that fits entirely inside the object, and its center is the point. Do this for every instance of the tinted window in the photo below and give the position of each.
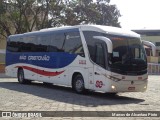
(57, 42)
(49, 42)
(120, 49)
(137, 50)
(73, 43)
(128, 55)
(91, 42)
(43, 43)
(125, 49)
(14, 44)
(28, 44)
(100, 56)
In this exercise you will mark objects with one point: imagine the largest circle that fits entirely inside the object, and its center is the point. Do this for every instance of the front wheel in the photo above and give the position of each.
(78, 84)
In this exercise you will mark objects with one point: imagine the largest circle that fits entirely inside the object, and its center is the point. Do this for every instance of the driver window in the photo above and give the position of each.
(100, 57)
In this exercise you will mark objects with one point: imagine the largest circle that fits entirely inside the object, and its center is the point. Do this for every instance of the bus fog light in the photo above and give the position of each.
(113, 87)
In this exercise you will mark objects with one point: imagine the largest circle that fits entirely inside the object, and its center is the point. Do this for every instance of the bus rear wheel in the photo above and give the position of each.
(21, 78)
(78, 84)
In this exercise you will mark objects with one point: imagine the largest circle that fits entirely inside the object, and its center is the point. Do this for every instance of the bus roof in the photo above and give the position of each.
(110, 30)
(98, 28)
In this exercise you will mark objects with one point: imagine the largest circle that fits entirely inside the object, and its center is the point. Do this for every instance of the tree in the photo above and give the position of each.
(108, 15)
(89, 12)
(20, 16)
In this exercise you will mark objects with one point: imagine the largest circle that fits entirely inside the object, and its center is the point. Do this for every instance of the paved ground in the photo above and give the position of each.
(38, 97)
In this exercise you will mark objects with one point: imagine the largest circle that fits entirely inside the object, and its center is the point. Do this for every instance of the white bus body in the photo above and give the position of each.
(94, 57)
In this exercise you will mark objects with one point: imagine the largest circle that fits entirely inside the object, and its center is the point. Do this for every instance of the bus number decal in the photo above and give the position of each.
(99, 84)
(83, 62)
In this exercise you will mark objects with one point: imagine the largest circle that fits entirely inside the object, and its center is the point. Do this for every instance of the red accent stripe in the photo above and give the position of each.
(41, 72)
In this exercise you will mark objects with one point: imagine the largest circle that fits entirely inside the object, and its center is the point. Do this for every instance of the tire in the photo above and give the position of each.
(21, 78)
(78, 84)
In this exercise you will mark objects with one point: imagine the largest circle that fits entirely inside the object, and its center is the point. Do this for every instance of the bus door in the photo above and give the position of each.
(99, 66)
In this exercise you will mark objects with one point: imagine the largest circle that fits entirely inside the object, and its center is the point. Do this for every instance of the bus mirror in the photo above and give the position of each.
(107, 41)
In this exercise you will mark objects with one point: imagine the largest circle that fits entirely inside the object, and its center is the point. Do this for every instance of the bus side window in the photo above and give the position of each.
(43, 43)
(100, 56)
(57, 41)
(11, 45)
(73, 44)
(28, 43)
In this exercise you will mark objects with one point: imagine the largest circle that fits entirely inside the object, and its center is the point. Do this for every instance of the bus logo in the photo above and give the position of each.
(99, 84)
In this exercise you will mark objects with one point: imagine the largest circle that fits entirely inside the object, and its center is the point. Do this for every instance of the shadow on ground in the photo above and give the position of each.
(64, 94)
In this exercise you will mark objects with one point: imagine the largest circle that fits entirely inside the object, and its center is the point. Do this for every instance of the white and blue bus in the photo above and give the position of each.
(93, 57)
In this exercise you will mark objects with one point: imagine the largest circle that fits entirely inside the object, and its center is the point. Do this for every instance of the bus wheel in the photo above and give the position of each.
(78, 84)
(21, 76)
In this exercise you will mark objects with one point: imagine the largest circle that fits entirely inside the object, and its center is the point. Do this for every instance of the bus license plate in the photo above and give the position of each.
(131, 88)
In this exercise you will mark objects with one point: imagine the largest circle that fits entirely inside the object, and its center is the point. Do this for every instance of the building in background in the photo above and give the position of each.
(152, 36)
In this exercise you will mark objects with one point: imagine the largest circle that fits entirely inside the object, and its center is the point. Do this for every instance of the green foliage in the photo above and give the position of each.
(19, 16)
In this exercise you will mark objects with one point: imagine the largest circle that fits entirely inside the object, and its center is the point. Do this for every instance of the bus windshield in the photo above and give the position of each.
(128, 54)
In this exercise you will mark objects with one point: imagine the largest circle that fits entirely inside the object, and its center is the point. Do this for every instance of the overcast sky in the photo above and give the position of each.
(139, 14)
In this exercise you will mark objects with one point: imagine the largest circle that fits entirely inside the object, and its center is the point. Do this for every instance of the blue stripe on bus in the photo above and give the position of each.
(41, 59)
